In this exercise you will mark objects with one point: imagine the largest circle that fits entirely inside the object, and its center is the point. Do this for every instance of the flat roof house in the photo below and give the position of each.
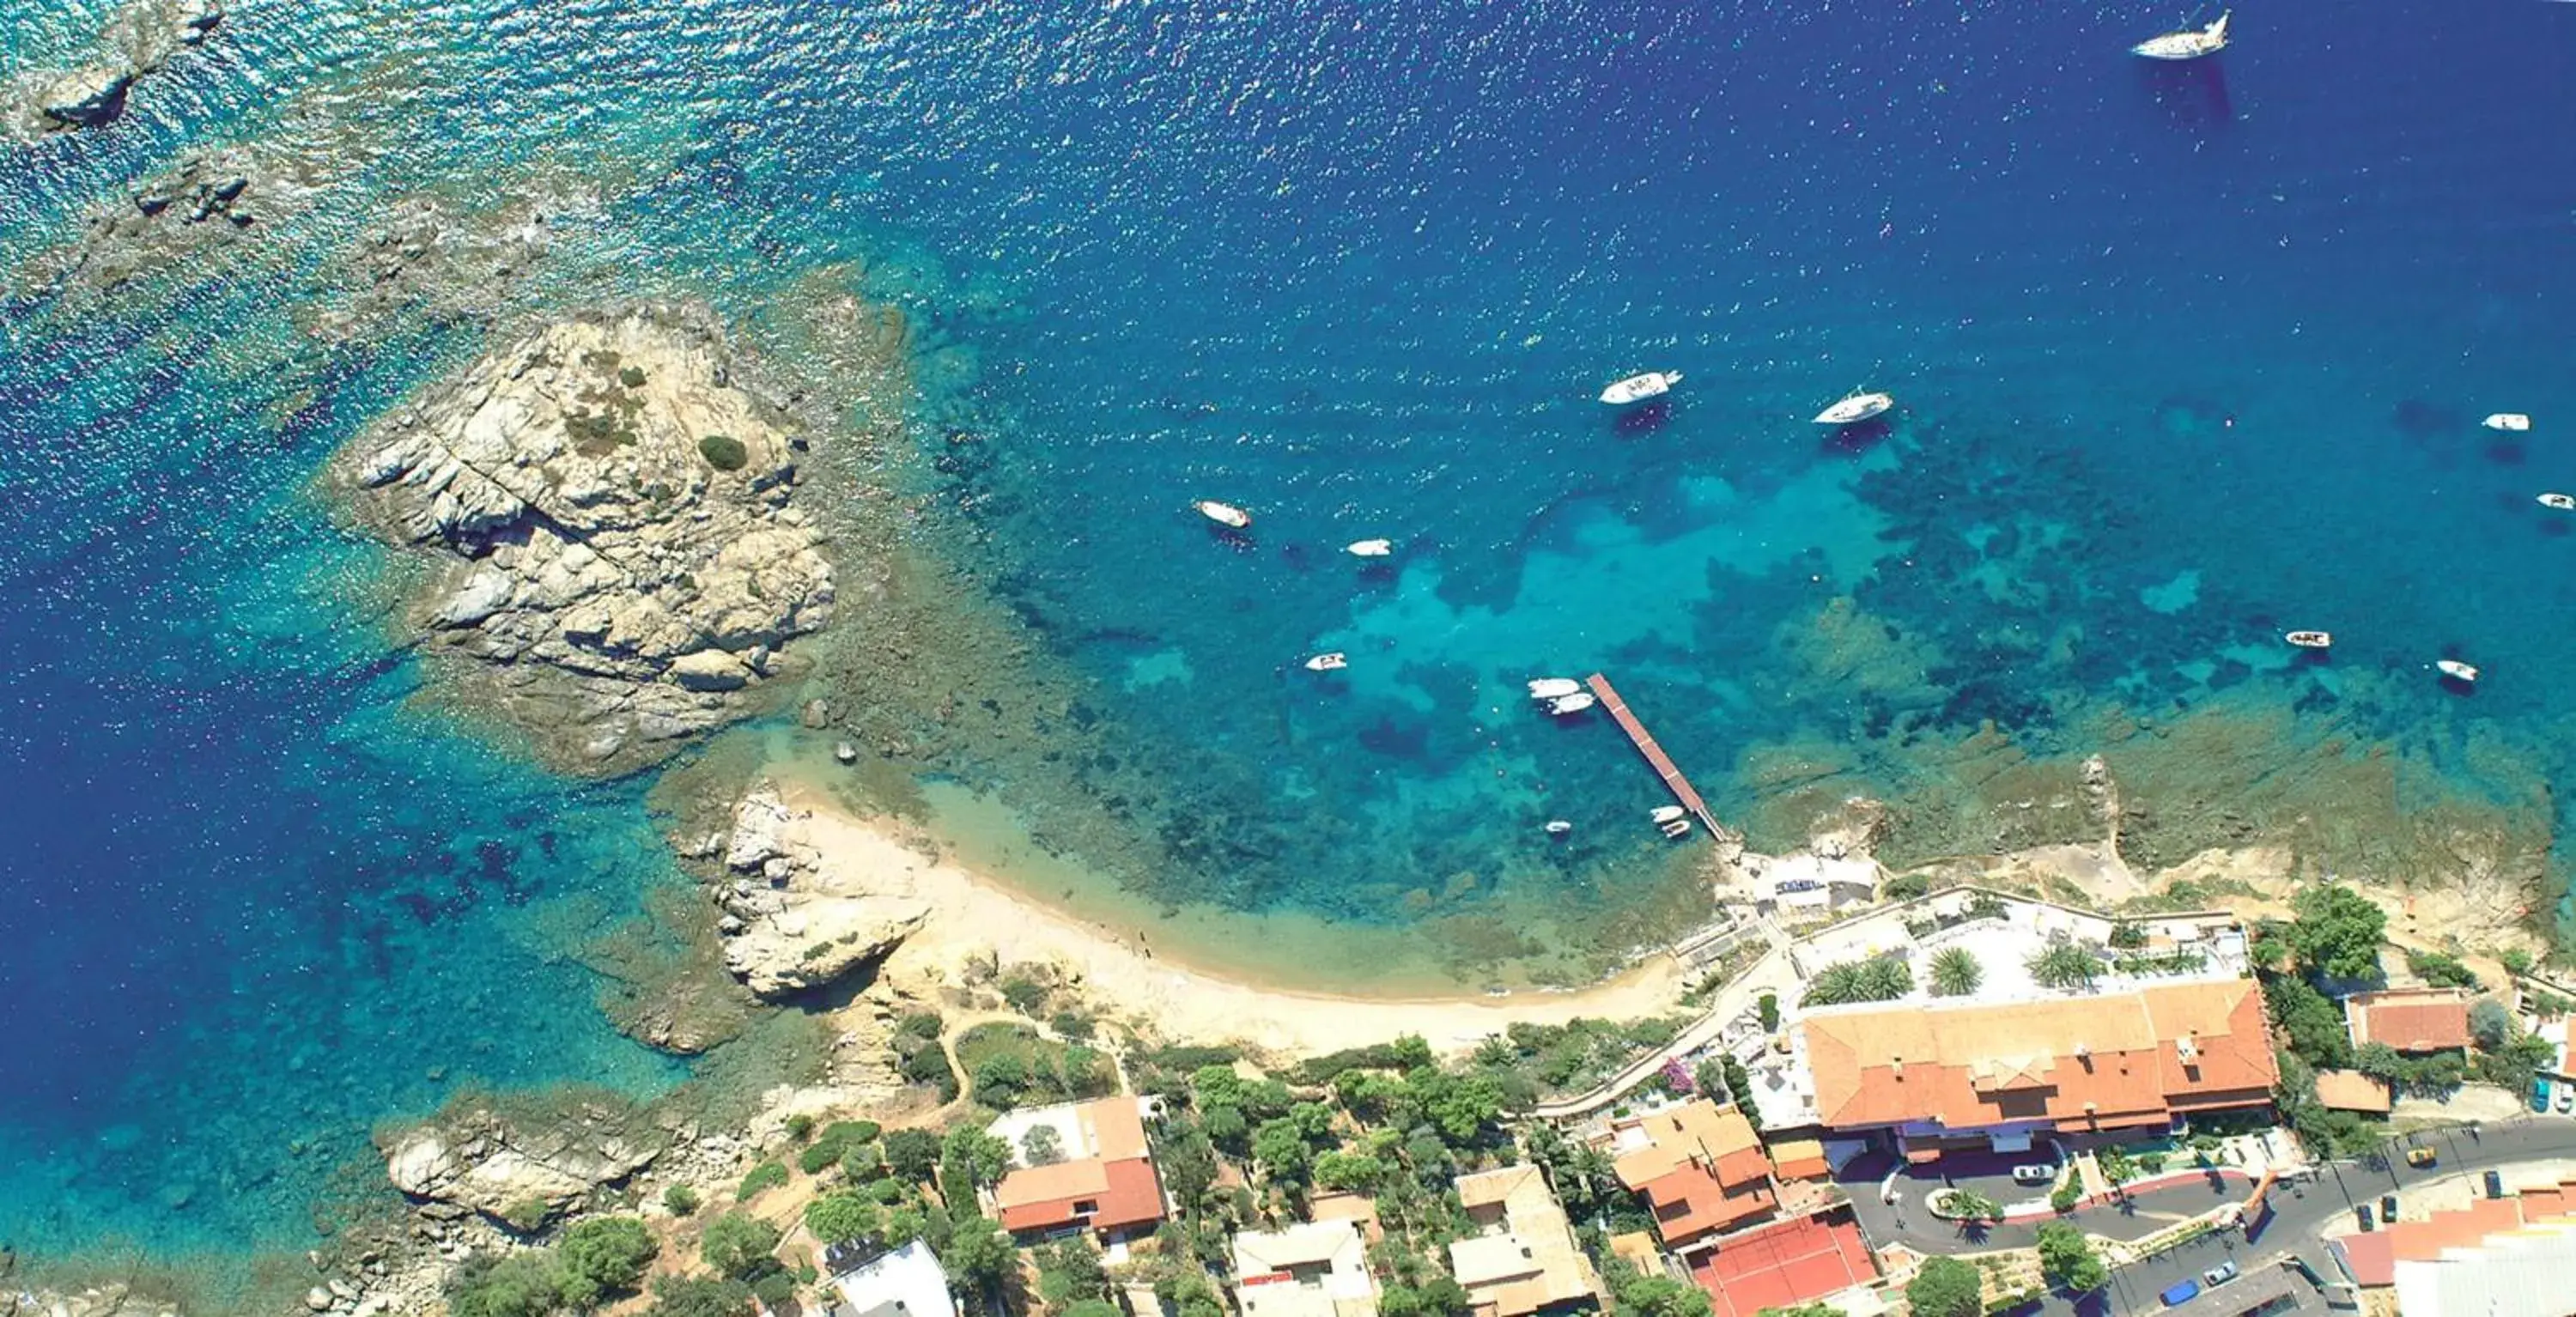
(1993, 1075)
(1700, 1167)
(1315, 1269)
(1525, 1259)
(902, 1282)
(1106, 1182)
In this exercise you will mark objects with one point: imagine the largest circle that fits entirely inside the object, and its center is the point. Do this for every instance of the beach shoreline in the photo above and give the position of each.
(1169, 986)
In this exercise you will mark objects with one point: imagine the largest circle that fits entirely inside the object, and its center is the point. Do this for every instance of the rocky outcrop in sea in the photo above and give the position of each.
(787, 928)
(618, 566)
(142, 38)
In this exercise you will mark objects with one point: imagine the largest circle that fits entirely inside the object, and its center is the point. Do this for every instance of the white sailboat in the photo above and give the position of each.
(1855, 409)
(1639, 388)
(2185, 43)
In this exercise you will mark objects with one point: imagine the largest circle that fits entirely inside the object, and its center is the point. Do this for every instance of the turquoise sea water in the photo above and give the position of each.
(2187, 355)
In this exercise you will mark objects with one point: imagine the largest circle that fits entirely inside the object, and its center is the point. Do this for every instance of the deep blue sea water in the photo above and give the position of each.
(2187, 356)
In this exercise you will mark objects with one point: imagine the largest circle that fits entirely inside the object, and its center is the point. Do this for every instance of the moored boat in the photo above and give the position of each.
(2311, 639)
(1223, 514)
(1333, 662)
(2185, 43)
(1639, 388)
(1369, 548)
(1552, 688)
(1558, 827)
(1855, 409)
(2456, 670)
(1668, 813)
(1676, 828)
(2562, 502)
(2514, 421)
(1575, 703)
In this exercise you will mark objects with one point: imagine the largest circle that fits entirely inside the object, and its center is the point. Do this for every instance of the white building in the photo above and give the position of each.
(906, 1282)
(2513, 1273)
(1317, 1269)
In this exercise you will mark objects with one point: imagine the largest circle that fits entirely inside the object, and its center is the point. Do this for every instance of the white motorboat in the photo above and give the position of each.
(1369, 548)
(1668, 813)
(1558, 827)
(1575, 703)
(2562, 502)
(2457, 670)
(1639, 388)
(2186, 43)
(1855, 409)
(1223, 514)
(1553, 688)
(1333, 662)
(1677, 828)
(2512, 421)
(2311, 639)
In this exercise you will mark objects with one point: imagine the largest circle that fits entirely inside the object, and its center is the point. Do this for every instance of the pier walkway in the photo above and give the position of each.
(1656, 758)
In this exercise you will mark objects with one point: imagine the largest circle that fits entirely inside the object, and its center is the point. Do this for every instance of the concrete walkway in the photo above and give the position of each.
(1772, 973)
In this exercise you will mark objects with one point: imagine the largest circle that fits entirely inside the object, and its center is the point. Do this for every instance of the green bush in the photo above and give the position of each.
(632, 377)
(724, 452)
(1906, 887)
(604, 1255)
(767, 1175)
(800, 1127)
(2066, 1196)
(699, 1296)
(520, 1285)
(681, 1199)
(739, 1245)
(1769, 1005)
(528, 1215)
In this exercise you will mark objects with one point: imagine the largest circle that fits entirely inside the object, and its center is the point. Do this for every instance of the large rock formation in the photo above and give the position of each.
(476, 1160)
(610, 509)
(788, 930)
(143, 37)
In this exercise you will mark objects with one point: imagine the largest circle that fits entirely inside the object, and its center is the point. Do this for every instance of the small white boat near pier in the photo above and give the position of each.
(1575, 703)
(2562, 502)
(1553, 688)
(2185, 43)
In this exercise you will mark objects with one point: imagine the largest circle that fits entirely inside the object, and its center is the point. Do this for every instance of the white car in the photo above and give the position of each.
(2035, 1173)
(2566, 1097)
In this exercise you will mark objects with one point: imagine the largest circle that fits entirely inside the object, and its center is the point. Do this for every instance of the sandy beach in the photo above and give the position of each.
(1168, 984)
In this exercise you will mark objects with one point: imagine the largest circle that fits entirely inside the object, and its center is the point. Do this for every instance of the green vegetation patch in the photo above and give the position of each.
(724, 452)
(1010, 1066)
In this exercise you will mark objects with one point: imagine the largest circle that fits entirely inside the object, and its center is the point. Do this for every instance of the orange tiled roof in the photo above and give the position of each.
(2410, 1019)
(1102, 1195)
(1800, 1159)
(1690, 1203)
(2374, 1257)
(2083, 1062)
(2351, 1090)
(1720, 1139)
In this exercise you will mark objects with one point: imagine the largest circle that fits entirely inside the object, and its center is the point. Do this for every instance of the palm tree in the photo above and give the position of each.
(2065, 965)
(1886, 980)
(1956, 973)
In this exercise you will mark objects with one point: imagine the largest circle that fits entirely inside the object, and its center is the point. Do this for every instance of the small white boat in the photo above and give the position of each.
(1639, 388)
(1677, 828)
(2454, 668)
(1369, 548)
(2187, 43)
(1333, 662)
(1223, 514)
(2514, 421)
(1553, 688)
(1558, 827)
(1668, 813)
(2311, 639)
(1855, 409)
(1575, 703)
(2562, 502)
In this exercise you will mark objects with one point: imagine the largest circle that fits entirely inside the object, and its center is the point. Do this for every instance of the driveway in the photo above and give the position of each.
(1910, 1222)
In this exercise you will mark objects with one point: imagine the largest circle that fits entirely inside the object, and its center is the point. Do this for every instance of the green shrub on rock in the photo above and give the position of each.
(724, 452)
(767, 1175)
(681, 1199)
(602, 1256)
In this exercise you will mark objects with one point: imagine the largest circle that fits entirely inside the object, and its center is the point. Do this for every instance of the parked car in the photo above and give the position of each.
(2035, 1173)
(2362, 1215)
(2218, 1275)
(2182, 1293)
(2388, 1209)
(2540, 1095)
(2495, 1185)
(2419, 1156)
(2566, 1098)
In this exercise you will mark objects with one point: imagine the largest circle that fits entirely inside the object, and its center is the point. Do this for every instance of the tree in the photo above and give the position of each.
(2067, 1259)
(1740, 1085)
(2117, 1169)
(2127, 936)
(1858, 980)
(699, 1296)
(1968, 1206)
(1041, 1146)
(2440, 970)
(2336, 932)
(973, 1159)
(838, 1218)
(1956, 973)
(604, 1255)
(1886, 979)
(1946, 1287)
(1357, 1171)
(1280, 1146)
(1768, 1004)
(519, 1285)
(977, 1252)
(2065, 965)
(912, 1154)
(739, 1245)
(2381, 1062)
(1657, 1296)
(681, 1199)
(2311, 1022)
(2490, 1023)
(1069, 1271)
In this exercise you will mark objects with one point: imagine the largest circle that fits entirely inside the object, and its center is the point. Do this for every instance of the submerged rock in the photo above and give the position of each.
(145, 35)
(623, 565)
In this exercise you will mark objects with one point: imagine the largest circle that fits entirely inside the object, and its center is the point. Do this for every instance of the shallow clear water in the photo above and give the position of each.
(2188, 356)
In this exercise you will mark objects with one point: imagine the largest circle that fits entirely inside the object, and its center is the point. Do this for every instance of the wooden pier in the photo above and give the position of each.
(1655, 757)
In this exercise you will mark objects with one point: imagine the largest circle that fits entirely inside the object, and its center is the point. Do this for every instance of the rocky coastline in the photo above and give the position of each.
(606, 510)
(142, 39)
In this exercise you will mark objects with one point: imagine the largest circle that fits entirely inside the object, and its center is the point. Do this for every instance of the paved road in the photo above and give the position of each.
(2300, 1213)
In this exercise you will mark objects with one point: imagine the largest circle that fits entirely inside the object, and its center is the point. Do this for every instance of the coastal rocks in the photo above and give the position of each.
(789, 933)
(481, 1162)
(144, 36)
(623, 568)
(180, 219)
(114, 1299)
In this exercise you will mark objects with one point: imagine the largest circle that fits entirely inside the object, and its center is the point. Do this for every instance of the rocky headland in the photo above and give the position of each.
(142, 38)
(605, 507)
